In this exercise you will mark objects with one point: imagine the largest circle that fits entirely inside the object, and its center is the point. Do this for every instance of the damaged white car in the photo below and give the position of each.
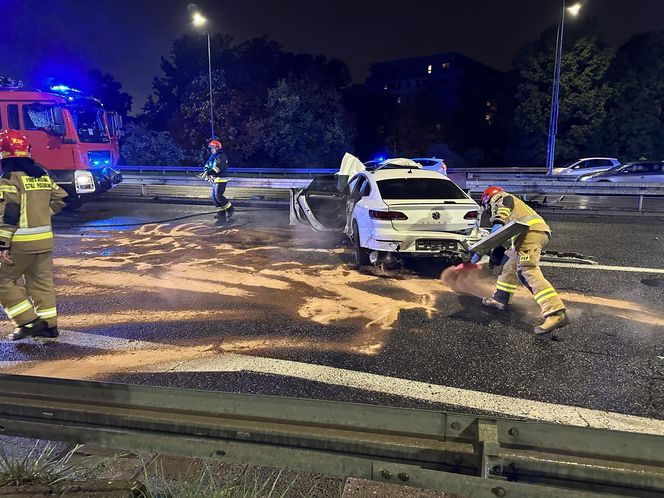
(390, 211)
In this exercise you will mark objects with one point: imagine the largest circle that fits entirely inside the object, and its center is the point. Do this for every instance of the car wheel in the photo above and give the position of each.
(361, 254)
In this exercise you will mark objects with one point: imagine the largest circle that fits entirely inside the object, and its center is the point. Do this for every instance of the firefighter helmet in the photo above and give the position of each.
(13, 144)
(488, 194)
(215, 144)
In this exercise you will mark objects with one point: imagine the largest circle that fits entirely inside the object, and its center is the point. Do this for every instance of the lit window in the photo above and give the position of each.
(446, 65)
(398, 100)
(429, 69)
(385, 87)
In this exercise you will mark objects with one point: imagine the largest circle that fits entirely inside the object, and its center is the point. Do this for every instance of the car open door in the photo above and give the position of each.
(322, 205)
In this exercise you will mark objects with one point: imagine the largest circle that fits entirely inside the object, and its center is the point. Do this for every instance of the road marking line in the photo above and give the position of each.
(109, 343)
(93, 341)
(14, 363)
(494, 403)
(634, 269)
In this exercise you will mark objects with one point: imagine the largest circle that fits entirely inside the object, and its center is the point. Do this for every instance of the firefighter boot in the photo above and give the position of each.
(50, 333)
(552, 322)
(37, 328)
(493, 303)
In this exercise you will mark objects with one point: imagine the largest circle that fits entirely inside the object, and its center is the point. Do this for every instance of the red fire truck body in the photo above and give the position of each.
(71, 135)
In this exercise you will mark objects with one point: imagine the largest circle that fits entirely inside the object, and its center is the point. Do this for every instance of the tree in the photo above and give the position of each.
(583, 96)
(635, 126)
(242, 77)
(104, 87)
(238, 118)
(306, 124)
(141, 147)
(186, 62)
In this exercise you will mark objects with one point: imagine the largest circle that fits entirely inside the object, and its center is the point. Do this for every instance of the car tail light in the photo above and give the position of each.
(387, 215)
(470, 215)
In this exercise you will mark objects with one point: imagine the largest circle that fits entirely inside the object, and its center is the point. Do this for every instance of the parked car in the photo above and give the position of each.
(635, 172)
(392, 210)
(586, 166)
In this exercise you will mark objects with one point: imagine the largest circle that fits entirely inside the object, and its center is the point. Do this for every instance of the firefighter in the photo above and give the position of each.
(523, 259)
(28, 198)
(216, 172)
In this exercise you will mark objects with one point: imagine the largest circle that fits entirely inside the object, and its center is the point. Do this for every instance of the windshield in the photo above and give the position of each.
(419, 188)
(89, 124)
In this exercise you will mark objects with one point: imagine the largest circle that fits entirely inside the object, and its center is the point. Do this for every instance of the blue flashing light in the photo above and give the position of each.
(380, 159)
(64, 89)
(107, 162)
(96, 163)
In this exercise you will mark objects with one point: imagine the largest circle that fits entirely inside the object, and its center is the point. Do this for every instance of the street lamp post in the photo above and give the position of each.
(555, 92)
(199, 20)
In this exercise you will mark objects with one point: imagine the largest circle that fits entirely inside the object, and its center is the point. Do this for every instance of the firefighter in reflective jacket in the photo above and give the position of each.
(28, 198)
(523, 259)
(216, 172)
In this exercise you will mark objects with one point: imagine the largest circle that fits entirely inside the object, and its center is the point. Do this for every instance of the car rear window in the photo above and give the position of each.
(419, 188)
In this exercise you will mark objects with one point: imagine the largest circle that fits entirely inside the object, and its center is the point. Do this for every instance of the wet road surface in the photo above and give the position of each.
(164, 294)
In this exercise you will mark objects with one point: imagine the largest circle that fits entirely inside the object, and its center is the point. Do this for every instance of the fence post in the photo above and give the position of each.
(640, 203)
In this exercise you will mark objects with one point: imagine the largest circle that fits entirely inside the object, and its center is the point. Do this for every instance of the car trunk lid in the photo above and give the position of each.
(435, 215)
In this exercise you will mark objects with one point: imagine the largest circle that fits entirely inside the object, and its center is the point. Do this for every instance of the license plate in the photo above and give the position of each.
(435, 245)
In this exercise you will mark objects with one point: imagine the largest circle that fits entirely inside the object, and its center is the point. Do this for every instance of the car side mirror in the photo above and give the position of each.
(57, 125)
(57, 130)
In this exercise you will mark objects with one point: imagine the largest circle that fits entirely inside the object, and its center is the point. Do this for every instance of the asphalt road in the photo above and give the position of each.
(164, 294)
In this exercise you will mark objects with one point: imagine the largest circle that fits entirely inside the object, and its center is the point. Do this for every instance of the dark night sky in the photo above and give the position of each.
(127, 37)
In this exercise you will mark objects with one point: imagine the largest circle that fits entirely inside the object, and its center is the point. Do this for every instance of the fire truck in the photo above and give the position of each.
(71, 135)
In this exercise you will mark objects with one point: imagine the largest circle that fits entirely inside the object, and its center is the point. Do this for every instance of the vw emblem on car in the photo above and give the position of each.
(435, 215)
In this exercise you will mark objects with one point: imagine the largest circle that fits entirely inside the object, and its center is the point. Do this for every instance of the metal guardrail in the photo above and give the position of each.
(311, 172)
(541, 186)
(461, 454)
(259, 172)
(524, 185)
(193, 181)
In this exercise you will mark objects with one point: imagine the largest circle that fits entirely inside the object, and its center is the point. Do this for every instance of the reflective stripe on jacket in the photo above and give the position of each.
(507, 207)
(26, 206)
(217, 165)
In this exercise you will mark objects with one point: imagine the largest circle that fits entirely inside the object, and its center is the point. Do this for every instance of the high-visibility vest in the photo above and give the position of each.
(26, 206)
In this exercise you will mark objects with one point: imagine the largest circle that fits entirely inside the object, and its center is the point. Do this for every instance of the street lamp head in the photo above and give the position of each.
(574, 9)
(198, 19)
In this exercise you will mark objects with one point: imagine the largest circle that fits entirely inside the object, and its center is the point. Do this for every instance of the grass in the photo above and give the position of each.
(44, 465)
(41, 466)
(206, 486)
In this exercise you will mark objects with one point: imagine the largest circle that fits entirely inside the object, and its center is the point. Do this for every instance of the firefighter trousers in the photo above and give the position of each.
(36, 299)
(218, 190)
(523, 264)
